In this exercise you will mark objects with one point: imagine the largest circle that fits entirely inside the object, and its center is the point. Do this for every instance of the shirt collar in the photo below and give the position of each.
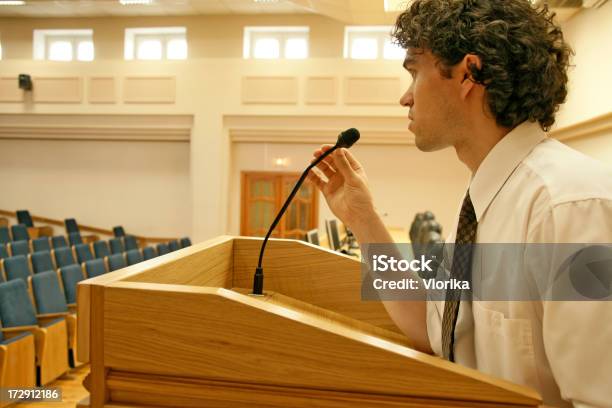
(501, 162)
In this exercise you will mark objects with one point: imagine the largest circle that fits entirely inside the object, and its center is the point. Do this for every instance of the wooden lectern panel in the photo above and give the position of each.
(174, 331)
(311, 274)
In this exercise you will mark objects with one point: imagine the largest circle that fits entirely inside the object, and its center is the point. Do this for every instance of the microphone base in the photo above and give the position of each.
(258, 282)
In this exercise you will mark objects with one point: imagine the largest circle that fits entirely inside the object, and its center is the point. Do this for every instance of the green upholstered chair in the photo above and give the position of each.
(19, 247)
(95, 267)
(148, 253)
(42, 262)
(133, 256)
(20, 232)
(101, 249)
(16, 267)
(63, 257)
(83, 252)
(59, 241)
(116, 261)
(50, 301)
(41, 244)
(18, 316)
(116, 245)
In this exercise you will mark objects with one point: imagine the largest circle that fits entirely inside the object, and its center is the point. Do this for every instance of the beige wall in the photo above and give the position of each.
(207, 36)
(204, 173)
(142, 185)
(589, 33)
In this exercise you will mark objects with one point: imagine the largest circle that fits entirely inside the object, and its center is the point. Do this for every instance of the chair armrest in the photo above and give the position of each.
(12, 331)
(43, 319)
(52, 315)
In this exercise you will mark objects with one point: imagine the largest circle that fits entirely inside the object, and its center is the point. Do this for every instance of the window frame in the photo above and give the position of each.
(380, 33)
(280, 33)
(44, 37)
(135, 35)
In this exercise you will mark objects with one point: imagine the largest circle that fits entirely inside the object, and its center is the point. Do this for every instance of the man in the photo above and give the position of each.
(487, 79)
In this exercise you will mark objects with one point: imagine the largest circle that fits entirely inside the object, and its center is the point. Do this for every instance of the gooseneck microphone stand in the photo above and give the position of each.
(345, 139)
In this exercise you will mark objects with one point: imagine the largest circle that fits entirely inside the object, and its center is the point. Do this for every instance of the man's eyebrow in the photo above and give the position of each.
(410, 60)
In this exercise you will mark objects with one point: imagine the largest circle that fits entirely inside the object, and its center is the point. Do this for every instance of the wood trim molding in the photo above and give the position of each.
(144, 128)
(591, 127)
(375, 130)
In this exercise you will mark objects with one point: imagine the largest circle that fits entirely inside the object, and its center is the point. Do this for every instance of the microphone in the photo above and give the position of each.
(345, 140)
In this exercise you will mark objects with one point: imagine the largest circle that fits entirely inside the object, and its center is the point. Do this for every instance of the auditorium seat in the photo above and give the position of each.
(41, 244)
(133, 256)
(71, 226)
(16, 267)
(42, 262)
(101, 249)
(17, 360)
(19, 248)
(50, 302)
(59, 241)
(185, 242)
(5, 236)
(148, 253)
(130, 242)
(115, 261)
(20, 232)
(162, 249)
(71, 276)
(95, 267)
(63, 257)
(17, 313)
(24, 217)
(83, 252)
(116, 245)
(74, 238)
(118, 231)
(174, 245)
(3, 252)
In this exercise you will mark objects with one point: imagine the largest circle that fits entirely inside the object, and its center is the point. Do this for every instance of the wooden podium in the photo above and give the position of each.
(182, 330)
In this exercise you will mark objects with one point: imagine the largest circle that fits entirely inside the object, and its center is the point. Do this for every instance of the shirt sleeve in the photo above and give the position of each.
(578, 334)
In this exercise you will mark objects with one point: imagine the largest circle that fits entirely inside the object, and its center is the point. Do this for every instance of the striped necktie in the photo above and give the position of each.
(460, 270)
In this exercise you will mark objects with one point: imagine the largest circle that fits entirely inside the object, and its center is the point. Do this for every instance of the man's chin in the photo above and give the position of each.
(426, 144)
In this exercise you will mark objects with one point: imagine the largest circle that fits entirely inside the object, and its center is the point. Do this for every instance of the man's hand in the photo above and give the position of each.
(347, 194)
(346, 188)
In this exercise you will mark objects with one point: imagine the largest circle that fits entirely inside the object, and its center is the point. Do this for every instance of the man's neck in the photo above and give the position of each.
(477, 143)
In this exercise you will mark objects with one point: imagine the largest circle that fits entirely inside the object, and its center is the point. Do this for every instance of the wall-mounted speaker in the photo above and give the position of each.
(25, 82)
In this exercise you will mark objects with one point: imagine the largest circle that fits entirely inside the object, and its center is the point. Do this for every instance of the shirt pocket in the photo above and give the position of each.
(504, 347)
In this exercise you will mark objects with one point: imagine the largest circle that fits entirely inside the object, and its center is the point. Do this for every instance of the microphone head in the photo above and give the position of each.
(348, 138)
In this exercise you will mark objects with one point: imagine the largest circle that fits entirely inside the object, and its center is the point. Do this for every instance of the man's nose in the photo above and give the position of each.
(407, 99)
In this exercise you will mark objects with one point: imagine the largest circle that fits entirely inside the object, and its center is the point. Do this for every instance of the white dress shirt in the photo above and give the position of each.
(533, 189)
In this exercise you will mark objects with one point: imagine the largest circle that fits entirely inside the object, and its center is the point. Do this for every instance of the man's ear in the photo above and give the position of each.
(466, 67)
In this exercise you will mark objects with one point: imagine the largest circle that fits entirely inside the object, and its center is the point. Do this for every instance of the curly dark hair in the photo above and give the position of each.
(523, 54)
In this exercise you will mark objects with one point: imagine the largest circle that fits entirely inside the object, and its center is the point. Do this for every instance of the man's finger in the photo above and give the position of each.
(315, 179)
(352, 160)
(342, 164)
(327, 169)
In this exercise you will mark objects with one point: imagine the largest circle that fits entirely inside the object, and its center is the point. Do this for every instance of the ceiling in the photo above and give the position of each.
(347, 11)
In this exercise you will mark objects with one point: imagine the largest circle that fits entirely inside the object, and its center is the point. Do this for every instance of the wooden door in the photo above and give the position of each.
(263, 194)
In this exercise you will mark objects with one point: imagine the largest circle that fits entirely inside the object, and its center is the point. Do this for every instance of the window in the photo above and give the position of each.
(276, 42)
(370, 42)
(156, 43)
(64, 45)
